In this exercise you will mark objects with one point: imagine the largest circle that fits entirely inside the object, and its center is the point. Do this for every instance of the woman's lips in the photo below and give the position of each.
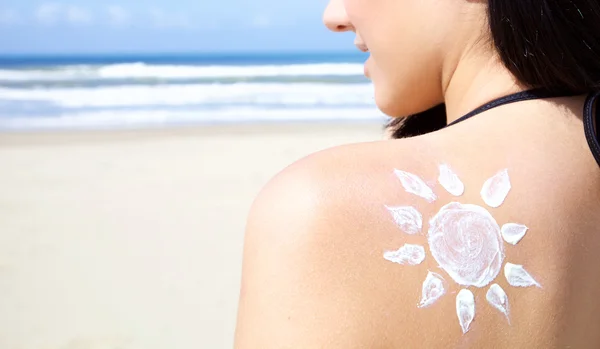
(361, 46)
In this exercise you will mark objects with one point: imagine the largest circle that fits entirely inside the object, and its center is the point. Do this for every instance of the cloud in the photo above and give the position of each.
(77, 15)
(118, 16)
(54, 13)
(261, 21)
(165, 20)
(48, 13)
(9, 17)
(267, 19)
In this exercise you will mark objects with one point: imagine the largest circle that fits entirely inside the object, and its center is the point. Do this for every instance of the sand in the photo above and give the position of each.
(133, 239)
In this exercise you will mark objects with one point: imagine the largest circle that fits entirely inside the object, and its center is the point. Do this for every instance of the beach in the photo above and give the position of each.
(132, 239)
(126, 180)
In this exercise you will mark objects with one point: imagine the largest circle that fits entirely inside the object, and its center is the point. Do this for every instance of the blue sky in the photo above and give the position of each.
(100, 26)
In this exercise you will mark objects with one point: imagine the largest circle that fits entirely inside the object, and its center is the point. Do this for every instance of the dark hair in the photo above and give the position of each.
(551, 44)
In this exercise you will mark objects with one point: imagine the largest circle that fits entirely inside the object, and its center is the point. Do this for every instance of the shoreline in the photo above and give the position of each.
(68, 136)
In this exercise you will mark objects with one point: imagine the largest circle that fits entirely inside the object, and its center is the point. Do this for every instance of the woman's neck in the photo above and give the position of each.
(473, 81)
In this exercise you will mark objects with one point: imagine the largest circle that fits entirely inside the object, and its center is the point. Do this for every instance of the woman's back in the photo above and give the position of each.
(327, 222)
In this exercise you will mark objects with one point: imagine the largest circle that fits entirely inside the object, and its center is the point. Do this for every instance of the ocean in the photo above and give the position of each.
(139, 91)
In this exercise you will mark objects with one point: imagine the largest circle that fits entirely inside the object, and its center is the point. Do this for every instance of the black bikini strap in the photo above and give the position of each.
(589, 121)
(515, 97)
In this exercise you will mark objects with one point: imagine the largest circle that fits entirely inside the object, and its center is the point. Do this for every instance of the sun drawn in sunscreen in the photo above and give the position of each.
(465, 240)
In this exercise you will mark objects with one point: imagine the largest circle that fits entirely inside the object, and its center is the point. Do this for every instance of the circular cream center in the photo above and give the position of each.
(466, 242)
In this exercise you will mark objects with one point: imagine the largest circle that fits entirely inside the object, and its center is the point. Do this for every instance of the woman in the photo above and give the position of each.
(483, 234)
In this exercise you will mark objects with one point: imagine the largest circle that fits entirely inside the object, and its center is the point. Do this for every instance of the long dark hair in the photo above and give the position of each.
(551, 44)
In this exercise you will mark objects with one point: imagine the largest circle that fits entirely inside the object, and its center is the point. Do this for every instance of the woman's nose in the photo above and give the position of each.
(335, 17)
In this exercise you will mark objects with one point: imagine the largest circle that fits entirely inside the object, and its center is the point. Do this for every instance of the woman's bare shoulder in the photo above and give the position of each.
(337, 255)
(313, 253)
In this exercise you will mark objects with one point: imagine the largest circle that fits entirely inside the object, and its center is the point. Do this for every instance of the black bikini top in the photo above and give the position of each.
(590, 120)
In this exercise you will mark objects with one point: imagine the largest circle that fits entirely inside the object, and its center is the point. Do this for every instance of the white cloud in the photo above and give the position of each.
(261, 21)
(54, 13)
(77, 15)
(48, 13)
(166, 20)
(9, 17)
(118, 16)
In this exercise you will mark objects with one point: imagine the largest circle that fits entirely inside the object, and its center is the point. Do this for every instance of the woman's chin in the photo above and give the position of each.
(388, 104)
(367, 69)
(398, 101)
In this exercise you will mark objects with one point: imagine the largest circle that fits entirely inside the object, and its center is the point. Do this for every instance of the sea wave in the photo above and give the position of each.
(161, 117)
(176, 72)
(207, 95)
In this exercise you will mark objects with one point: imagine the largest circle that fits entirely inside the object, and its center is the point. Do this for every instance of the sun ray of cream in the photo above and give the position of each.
(465, 309)
(513, 232)
(415, 185)
(517, 276)
(450, 181)
(495, 190)
(498, 299)
(433, 289)
(407, 218)
(407, 254)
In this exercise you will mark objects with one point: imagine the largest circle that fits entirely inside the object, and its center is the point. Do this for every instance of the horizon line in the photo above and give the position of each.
(176, 53)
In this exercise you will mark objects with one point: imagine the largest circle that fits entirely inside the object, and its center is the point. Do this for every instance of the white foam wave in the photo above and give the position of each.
(297, 94)
(136, 119)
(177, 72)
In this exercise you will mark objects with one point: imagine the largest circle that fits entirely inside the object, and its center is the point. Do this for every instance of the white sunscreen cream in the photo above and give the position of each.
(407, 254)
(465, 309)
(496, 189)
(498, 299)
(450, 181)
(513, 232)
(517, 276)
(407, 218)
(433, 289)
(415, 185)
(465, 240)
